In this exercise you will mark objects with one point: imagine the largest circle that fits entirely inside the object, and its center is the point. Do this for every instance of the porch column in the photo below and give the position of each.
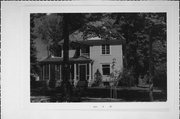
(90, 72)
(60, 72)
(49, 72)
(70, 75)
(74, 72)
(43, 72)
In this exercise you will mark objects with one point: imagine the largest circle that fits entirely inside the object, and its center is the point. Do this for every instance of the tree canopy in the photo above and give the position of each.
(133, 28)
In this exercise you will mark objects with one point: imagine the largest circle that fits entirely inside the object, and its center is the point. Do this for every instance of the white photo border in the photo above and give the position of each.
(20, 63)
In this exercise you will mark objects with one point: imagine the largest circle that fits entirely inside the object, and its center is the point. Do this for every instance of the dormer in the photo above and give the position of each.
(56, 51)
(85, 51)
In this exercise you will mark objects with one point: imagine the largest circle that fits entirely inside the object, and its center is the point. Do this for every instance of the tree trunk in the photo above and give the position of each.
(65, 67)
(151, 73)
(125, 55)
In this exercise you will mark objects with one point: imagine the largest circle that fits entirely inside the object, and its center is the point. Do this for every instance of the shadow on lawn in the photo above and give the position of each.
(98, 95)
(127, 94)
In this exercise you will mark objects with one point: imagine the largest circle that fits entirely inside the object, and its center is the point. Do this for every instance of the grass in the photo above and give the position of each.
(99, 94)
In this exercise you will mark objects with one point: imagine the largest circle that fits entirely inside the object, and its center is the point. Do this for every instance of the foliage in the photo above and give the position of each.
(126, 78)
(160, 77)
(33, 58)
(132, 28)
(102, 27)
(115, 74)
(48, 28)
(33, 52)
(135, 28)
(52, 83)
(97, 78)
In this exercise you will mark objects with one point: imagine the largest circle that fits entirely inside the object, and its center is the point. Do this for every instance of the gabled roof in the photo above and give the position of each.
(80, 59)
(94, 41)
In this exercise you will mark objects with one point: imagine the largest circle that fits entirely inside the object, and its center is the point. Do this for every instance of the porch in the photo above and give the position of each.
(80, 70)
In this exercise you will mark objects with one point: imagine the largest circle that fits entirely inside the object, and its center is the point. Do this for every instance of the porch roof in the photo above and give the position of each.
(80, 59)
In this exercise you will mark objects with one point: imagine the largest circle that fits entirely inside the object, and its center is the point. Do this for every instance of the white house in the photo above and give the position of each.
(86, 58)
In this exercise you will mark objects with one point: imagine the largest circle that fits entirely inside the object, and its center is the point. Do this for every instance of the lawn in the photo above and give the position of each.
(99, 94)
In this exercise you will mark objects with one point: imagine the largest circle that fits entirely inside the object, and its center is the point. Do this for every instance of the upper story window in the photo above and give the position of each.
(105, 49)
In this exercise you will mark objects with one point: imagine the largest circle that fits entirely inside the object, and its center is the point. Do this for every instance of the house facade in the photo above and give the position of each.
(86, 58)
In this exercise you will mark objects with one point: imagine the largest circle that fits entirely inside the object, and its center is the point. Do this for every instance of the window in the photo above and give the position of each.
(85, 51)
(106, 69)
(105, 49)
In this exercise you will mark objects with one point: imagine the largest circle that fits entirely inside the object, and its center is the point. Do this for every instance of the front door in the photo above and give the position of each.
(82, 72)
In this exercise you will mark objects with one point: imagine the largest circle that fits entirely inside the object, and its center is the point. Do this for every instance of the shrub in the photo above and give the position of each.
(52, 83)
(126, 78)
(97, 78)
(160, 77)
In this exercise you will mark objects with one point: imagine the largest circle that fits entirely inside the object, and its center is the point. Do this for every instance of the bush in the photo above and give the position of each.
(52, 83)
(126, 78)
(160, 77)
(98, 79)
(37, 84)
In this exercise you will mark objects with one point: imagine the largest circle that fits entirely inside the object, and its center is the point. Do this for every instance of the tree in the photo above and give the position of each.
(33, 58)
(103, 27)
(53, 28)
(155, 24)
(144, 46)
(142, 31)
(48, 27)
(134, 27)
(141, 54)
(65, 67)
